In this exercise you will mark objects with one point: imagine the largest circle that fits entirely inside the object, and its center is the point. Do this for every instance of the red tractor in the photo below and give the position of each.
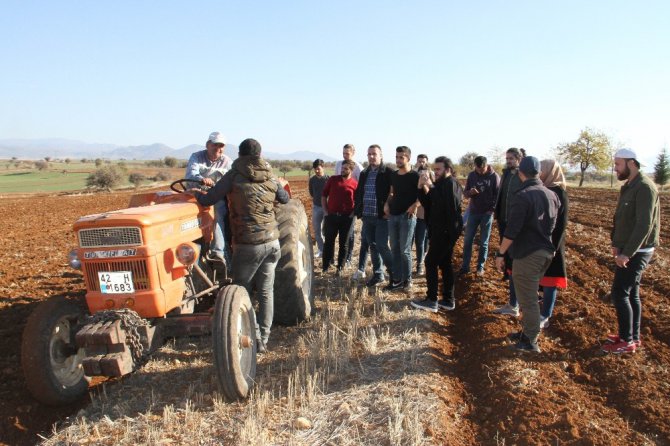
(147, 279)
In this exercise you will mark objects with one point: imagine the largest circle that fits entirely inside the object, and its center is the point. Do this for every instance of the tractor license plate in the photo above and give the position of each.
(116, 283)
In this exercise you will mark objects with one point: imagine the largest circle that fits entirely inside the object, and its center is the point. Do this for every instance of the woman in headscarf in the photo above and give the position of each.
(556, 277)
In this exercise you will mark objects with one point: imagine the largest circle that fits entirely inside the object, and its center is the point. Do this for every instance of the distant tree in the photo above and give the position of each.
(98, 162)
(41, 164)
(467, 161)
(136, 179)
(285, 167)
(306, 166)
(106, 178)
(84, 160)
(122, 165)
(591, 150)
(170, 161)
(68, 160)
(662, 169)
(47, 158)
(163, 175)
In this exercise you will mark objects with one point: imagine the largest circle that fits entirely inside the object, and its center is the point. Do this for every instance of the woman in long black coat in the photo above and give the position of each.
(556, 276)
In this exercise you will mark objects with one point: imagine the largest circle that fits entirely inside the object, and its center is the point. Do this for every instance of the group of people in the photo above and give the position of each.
(402, 206)
(420, 205)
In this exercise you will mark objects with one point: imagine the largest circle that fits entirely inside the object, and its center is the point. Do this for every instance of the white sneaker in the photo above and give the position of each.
(317, 255)
(544, 322)
(358, 275)
(507, 309)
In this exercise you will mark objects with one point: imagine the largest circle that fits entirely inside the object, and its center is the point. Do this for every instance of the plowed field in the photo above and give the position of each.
(570, 394)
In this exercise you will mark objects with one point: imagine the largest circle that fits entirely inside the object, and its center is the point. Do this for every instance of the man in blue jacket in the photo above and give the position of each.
(482, 189)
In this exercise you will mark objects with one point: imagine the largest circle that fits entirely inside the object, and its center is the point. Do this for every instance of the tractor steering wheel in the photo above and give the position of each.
(184, 183)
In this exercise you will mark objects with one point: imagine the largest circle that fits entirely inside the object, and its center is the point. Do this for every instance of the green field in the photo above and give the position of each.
(66, 177)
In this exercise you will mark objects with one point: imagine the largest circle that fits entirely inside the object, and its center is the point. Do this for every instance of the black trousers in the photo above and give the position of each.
(439, 257)
(335, 226)
(626, 295)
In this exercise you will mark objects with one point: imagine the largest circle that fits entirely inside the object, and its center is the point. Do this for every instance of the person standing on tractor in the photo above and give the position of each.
(251, 190)
(208, 166)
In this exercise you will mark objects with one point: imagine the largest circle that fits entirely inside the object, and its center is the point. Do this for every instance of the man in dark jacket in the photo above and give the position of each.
(371, 194)
(509, 185)
(482, 189)
(635, 236)
(442, 203)
(530, 222)
(251, 190)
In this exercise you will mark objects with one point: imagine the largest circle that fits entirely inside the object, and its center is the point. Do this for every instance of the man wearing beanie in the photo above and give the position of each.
(637, 222)
(527, 239)
(251, 190)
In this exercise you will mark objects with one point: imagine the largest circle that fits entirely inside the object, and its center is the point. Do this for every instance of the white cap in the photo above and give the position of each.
(216, 137)
(627, 153)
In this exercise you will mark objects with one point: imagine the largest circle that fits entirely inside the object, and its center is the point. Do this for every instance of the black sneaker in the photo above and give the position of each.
(445, 304)
(392, 286)
(374, 281)
(425, 304)
(526, 345)
(515, 337)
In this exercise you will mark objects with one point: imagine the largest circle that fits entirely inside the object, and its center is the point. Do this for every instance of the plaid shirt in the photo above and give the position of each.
(369, 194)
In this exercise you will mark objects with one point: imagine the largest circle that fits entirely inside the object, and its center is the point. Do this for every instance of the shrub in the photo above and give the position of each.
(41, 164)
(104, 178)
(163, 175)
(136, 179)
(170, 161)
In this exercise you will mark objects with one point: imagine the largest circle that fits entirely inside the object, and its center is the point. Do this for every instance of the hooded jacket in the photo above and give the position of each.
(251, 190)
(487, 184)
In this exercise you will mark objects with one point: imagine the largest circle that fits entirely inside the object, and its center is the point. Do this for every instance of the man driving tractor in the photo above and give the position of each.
(208, 166)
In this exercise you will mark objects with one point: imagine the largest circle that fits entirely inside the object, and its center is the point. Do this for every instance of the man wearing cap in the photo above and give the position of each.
(208, 166)
(251, 190)
(527, 240)
(634, 237)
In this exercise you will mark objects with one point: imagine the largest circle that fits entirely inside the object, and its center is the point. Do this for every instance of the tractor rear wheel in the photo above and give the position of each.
(234, 342)
(293, 298)
(50, 358)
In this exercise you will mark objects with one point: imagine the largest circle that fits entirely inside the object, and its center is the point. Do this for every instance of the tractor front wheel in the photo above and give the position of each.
(234, 342)
(50, 358)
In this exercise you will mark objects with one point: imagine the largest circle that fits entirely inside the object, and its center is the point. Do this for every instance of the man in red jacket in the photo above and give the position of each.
(337, 201)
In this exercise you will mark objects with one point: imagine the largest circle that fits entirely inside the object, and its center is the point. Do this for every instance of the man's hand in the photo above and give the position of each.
(387, 210)
(621, 261)
(500, 264)
(208, 182)
(472, 192)
(411, 211)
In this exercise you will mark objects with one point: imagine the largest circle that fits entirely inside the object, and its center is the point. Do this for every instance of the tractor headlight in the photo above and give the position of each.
(73, 259)
(187, 253)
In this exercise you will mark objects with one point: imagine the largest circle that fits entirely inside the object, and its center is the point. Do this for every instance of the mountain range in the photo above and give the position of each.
(66, 148)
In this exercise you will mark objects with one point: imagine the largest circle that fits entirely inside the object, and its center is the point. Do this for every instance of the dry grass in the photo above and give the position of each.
(358, 374)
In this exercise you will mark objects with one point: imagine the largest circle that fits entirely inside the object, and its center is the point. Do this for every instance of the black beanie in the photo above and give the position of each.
(250, 147)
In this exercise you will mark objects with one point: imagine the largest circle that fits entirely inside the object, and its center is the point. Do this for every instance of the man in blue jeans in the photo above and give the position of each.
(371, 194)
(251, 190)
(635, 236)
(482, 189)
(400, 209)
(208, 166)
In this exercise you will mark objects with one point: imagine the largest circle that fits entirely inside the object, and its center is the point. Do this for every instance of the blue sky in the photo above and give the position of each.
(442, 77)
